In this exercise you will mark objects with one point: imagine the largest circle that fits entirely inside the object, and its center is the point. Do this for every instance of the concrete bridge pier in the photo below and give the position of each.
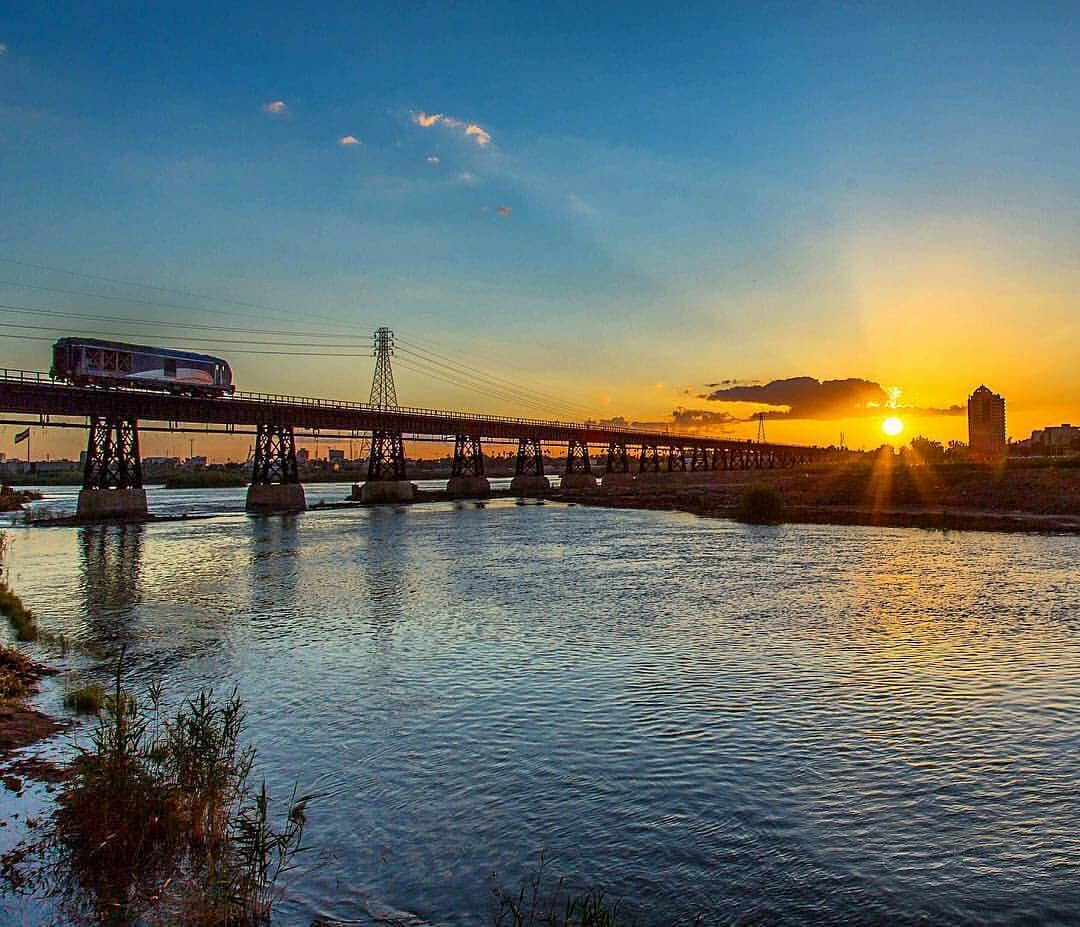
(467, 480)
(578, 467)
(112, 475)
(529, 476)
(275, 481)
(386, 481)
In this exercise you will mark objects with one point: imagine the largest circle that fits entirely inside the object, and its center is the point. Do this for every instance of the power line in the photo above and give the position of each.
(233, 351)
(428, 355)
(57, 313)
(201, 340)
(161, 289)
(516, 392)
(494, 377)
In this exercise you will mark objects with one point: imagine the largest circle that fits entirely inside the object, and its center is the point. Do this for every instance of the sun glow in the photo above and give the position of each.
(892, 426)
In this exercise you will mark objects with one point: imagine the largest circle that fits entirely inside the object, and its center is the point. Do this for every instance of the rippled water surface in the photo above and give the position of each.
(767, 724)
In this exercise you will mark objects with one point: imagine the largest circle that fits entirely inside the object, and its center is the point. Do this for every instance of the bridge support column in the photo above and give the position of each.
(649, 464)
(699, 460)
(386, 480)
(275, 480)
(112, 475)
(617, 468)
(467, 478)
(529, 468)
(578, 467)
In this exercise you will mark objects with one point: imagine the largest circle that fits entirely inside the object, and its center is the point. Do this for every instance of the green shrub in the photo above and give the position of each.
(86, 699)
(761, 505)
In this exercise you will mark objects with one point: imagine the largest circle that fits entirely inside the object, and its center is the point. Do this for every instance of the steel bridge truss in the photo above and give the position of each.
(112, 454)
(530, 458)
(618, 460)
(650, 459)
(468, 456)
(275, 456)
(387, 459)
(577, 457)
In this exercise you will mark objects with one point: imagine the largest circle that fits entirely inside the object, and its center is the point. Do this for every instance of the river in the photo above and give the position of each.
(765, 724)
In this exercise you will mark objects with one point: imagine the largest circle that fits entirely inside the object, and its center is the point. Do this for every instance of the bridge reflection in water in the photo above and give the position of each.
(111, 558)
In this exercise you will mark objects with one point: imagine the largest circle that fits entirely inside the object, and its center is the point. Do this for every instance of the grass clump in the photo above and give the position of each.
(86, 699)
(537, 905)
(17, 672)
(21, 618)
(158, 823)
(761, 505)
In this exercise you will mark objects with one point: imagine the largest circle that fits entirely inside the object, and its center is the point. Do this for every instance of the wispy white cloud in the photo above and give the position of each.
(3, 49)
(482, 136)
(275, 107)
(472, 131)
(348, 140)
(432, 159)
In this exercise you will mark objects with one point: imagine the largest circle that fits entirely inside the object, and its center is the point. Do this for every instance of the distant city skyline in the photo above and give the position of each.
(650, 217)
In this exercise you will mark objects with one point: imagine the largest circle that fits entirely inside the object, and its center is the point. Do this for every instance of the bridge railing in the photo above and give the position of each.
(24, 376)
(444, 413)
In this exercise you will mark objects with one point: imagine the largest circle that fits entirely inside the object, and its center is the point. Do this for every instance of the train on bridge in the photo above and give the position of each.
(106, 364)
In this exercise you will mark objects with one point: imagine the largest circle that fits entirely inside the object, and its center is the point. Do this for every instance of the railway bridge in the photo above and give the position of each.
(112, 476)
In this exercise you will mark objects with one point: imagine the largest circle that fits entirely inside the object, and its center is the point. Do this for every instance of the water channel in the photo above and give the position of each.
(790, 724)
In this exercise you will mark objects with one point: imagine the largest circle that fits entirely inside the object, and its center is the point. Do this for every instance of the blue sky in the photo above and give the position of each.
(650, 201)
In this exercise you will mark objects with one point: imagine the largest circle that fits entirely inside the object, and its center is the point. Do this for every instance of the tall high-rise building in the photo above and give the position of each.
(986, 423)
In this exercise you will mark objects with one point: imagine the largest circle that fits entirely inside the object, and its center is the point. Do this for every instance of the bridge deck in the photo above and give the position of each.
(34, 393)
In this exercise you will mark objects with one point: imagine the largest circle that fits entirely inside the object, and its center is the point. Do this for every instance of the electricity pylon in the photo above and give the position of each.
(383, 394)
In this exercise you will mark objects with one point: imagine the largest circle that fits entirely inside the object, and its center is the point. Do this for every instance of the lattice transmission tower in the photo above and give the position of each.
(761, 428)
(383, 394)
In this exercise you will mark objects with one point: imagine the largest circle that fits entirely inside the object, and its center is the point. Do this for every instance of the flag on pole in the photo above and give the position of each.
(22, 436)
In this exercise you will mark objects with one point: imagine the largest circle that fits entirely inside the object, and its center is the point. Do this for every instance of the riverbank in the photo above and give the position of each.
(12, 500)
(949, 497)
(21, 725)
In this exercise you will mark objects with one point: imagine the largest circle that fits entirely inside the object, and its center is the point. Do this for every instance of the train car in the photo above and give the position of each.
(90, 362)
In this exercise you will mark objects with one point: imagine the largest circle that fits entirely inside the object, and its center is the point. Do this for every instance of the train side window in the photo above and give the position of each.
(170, 366)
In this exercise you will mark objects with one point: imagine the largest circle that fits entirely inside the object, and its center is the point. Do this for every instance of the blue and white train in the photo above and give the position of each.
(90, 362)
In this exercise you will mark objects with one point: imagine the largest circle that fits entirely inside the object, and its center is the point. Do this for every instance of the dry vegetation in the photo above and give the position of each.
(157, 822)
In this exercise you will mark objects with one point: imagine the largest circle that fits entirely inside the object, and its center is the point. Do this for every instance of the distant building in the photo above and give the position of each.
(49, 467)
(302, 456)
(986, 423)
(1055, 437)
(195, 463)
(335, 456)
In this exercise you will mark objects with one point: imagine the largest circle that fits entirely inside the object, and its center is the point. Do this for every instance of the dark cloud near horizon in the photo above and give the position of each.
(809, 398)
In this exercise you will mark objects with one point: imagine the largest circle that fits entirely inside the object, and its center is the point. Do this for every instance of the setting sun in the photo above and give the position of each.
(892, 426)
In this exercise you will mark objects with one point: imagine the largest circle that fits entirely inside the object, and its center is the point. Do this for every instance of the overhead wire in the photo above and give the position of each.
(517, 393)
(435, 374)
(487, 375)
(233, 351)
(58, 313)
(164, 289)
(465, 375)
